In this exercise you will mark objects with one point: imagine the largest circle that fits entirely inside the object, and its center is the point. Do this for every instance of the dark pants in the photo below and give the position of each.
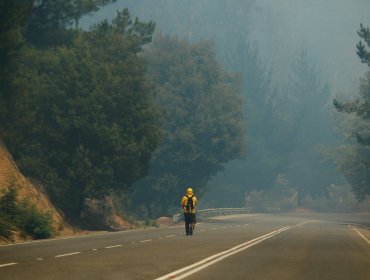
(190, 221)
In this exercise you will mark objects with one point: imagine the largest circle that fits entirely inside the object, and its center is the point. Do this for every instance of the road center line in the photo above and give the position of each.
(172, 235)
(363, 237)
(191, 269)
(69, 254)
(7, 264)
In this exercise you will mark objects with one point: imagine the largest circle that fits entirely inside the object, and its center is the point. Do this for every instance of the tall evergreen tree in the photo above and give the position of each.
(202, 122)
(356, 165)
(306, 106)
(258, 169)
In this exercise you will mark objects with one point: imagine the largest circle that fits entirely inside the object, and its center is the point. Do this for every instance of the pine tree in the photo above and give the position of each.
(356, 165)
(307, 98)
(203, 124)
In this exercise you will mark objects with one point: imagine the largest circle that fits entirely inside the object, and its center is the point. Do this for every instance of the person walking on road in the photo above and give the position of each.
(188, 203)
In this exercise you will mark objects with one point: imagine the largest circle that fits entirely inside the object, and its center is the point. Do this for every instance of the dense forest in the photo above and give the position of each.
(84, 112)
(113, 105)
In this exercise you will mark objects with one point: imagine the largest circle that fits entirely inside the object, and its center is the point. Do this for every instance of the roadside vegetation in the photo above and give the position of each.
(23, 217)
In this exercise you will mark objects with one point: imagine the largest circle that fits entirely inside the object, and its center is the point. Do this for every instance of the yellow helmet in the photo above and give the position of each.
(189, 191)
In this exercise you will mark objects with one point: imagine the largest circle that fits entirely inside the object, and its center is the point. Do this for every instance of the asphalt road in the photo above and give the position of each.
(254, 246)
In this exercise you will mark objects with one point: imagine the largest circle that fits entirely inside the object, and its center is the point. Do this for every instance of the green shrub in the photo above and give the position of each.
(5, 229)
(8, 205)
(8, 212)
(23, 216)
(33, 222)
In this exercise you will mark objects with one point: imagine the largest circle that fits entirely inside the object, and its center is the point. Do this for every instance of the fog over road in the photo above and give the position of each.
(253, 246)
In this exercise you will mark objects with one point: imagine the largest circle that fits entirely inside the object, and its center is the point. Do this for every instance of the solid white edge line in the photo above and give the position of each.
(220, 256)
(363, 237)
(7, 264)
(69, 254)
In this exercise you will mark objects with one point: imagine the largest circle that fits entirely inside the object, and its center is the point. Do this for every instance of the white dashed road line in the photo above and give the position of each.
(95, 249)
(7, 264)
(113, 246)
(147, 240)
(66, 255)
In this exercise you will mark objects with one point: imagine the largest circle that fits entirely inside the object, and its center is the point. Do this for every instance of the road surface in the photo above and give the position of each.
(252, 246)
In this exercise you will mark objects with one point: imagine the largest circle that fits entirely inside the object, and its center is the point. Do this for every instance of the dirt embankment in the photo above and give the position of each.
(11, 176)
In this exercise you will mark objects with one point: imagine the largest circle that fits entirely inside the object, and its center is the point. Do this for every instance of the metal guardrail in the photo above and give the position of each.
(221, 212)
(206, 213)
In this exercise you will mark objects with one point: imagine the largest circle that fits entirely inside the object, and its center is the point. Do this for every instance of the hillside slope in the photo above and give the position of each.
(11, 176)
(98, 215)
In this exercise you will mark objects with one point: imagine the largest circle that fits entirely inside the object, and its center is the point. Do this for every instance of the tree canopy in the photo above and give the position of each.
(14, 16)
(50, 21)
(89, 123)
